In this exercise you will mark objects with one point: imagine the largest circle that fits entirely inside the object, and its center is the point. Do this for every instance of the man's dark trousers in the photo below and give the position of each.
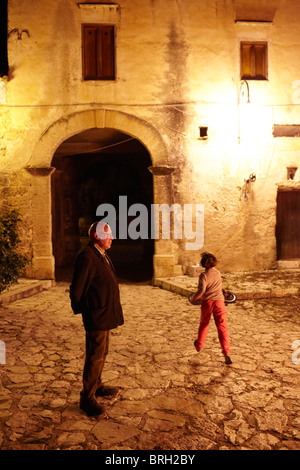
(97, 344)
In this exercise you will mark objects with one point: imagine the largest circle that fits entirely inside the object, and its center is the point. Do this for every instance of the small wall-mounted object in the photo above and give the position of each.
(291, 172)
(246, 186)
(19, 34)
(203, 132)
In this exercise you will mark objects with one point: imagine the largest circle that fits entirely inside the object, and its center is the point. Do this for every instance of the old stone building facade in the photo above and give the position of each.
(192, 103)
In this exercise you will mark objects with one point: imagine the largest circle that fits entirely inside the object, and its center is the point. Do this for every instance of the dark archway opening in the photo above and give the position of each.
(96, 167)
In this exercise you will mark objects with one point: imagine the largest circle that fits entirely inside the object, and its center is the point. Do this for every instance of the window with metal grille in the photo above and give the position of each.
(254, 60)
(98, 48)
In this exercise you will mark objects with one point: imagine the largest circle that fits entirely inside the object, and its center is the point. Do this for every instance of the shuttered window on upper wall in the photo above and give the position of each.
(254, 60)
(98, 47)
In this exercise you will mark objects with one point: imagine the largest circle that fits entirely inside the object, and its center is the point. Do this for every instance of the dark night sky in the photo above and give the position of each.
(3, 38)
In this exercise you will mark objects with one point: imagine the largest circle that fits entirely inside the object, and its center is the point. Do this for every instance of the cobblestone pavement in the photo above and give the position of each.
(171, 397)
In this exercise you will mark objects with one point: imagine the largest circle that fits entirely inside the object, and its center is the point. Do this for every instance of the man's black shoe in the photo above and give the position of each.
(91, 407)
(105, 391)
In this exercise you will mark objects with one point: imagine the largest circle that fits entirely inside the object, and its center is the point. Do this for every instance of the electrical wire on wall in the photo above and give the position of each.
(98, 149)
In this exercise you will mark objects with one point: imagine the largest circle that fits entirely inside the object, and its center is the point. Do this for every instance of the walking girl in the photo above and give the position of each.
(212, 303)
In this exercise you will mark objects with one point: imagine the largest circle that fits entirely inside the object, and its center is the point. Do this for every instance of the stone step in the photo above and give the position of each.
(25, 288)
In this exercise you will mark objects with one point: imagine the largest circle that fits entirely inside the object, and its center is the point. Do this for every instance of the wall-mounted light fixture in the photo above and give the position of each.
(244, 92)
(243, 98)
(251, 178)
(203, 132)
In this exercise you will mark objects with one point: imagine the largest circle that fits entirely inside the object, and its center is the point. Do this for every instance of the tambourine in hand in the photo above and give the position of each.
(197, 302)
(229, 297)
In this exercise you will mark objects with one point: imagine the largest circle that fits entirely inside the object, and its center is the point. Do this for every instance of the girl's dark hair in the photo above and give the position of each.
(208, 260)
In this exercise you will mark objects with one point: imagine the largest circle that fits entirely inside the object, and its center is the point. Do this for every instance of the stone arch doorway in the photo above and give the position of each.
(94, 167)
(40, 169)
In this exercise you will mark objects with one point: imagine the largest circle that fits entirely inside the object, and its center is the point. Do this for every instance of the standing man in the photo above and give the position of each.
(94, 293)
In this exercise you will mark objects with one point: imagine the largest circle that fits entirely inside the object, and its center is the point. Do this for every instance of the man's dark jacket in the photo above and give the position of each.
(94, 291)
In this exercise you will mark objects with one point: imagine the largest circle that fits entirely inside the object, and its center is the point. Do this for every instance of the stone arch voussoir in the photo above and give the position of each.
(75, 123)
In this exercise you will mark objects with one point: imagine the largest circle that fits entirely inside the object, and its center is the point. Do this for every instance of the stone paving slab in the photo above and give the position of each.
(171, 397)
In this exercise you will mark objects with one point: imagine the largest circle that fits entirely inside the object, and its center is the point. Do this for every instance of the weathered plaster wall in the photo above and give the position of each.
(177, 65)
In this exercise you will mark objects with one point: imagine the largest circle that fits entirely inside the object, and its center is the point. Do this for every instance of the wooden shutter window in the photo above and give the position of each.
(254, 61)
(98, 52)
